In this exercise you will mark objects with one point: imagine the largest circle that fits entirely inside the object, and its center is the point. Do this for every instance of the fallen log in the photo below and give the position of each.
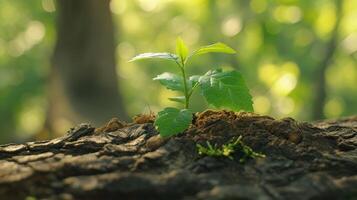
(130, 161)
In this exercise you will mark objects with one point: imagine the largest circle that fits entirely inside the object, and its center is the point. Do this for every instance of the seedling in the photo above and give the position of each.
(222, 89)
(233, 147)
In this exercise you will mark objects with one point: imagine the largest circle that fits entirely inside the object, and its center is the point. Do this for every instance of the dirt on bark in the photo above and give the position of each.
(131, 161)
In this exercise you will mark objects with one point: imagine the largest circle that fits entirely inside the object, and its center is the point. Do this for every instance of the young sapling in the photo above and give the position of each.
(222, 89)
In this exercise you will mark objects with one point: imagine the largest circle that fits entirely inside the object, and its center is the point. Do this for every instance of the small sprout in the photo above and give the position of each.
(233, 147)
(222, 89)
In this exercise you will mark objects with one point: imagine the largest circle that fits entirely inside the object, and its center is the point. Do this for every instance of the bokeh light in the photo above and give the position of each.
(281, 47)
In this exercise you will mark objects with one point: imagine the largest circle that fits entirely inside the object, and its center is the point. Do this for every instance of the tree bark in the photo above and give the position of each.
(130, 161)
(83, 85)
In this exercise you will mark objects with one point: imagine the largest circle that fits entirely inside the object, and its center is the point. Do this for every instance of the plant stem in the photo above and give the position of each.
(187, 96)
(186, 92)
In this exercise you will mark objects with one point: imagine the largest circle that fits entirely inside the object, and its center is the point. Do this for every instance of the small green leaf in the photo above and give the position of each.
(181, 49)
(180, 99)
(214, 48)
(226, 90)
(170, 81)
(165, 56)
(171, 121)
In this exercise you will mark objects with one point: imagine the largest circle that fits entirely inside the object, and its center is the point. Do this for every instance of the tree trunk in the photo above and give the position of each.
(320, 83)
(83, 85)
(130, 161)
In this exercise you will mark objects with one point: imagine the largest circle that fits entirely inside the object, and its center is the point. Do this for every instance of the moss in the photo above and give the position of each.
(234, 148)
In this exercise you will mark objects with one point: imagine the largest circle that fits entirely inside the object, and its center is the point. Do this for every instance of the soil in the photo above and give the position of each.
(131, 161)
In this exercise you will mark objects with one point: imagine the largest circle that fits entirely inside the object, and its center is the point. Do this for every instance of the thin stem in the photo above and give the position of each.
(186, 92)
(185, 87)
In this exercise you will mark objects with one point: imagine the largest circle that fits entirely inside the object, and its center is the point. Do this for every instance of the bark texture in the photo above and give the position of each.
(130, 161)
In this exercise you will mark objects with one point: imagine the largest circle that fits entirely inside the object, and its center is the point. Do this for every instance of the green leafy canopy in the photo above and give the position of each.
(222, 89)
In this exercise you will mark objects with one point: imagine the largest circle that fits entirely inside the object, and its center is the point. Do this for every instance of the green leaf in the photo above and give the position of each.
(214, 48)
(170, 81)
(181, 49)
(180, 99)
(171, 121)
(226, 90)
(165, 56)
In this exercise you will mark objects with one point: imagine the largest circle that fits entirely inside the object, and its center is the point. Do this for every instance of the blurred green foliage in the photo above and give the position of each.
(26, 41)
(280, 44)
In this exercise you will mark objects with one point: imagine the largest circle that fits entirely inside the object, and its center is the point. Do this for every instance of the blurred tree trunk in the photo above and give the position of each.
(320, 84)
(212, 26)
(83, 78)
